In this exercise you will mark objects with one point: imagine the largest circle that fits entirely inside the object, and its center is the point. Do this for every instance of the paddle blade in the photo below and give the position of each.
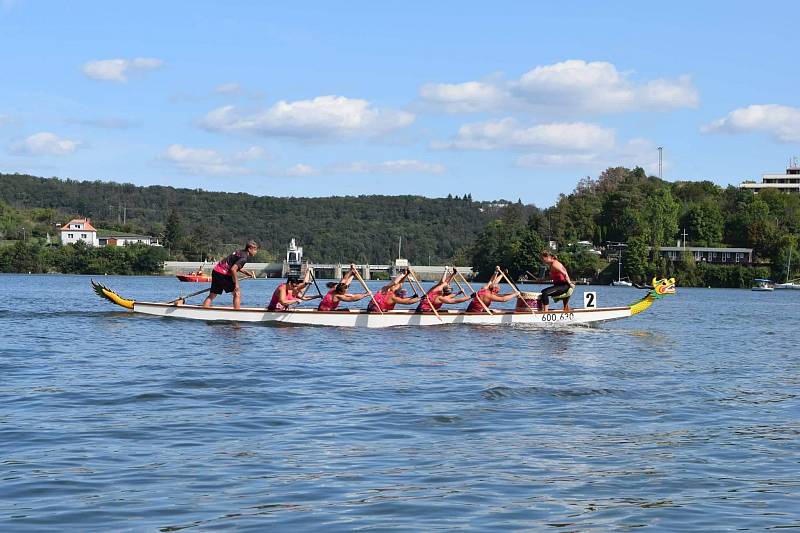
(111, 296)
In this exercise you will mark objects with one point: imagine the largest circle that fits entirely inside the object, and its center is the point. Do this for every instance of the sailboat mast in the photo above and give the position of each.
(619, 267)
(789, 265)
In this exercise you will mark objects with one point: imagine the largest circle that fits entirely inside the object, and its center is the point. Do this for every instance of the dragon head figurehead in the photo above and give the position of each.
(662, 287)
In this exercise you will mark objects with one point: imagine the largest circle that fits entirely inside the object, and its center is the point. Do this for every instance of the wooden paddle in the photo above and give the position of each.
(471, 291)
(363, 284)
(516, 290)
(314, 279)
(302, 293)
(413, 275)
(182, 299)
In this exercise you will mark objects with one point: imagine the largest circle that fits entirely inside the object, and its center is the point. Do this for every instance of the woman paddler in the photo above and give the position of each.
(338, 292)
(290, 292)
(489, 293)
(561, 282)
(390, 295)
(225, 276)
(440, 294)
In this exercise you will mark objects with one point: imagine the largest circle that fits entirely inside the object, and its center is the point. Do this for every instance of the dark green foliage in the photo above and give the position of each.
(507, 242)
(33, 256)
(196, 224)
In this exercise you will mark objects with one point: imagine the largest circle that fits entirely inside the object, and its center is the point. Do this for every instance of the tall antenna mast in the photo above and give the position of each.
(660, 167)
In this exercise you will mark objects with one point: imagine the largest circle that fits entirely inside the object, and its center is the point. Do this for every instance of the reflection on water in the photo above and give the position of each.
(682, 418)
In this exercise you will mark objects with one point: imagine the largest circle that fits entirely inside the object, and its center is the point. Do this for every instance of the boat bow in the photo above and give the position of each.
(658, 289)
(104, 292)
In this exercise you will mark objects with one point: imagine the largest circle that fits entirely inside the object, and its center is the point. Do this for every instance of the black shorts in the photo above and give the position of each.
(220, 283)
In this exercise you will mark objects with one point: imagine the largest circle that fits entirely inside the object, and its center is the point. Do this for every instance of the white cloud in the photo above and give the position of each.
(472, 96)
(566, 87)
(321, 117)
(208, 162)
(44, 143)
(635, 152)
(780, 121)
(228, 88)
(507, 133)
(557, 160)
(301, 171)
(119, 69)
(398, 166)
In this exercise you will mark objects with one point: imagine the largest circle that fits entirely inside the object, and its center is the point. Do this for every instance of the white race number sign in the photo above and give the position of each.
(590, 300)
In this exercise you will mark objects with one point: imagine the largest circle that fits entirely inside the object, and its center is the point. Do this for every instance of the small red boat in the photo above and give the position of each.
(197, 278)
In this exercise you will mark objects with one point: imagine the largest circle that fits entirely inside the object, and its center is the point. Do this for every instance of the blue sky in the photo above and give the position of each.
(508, 99)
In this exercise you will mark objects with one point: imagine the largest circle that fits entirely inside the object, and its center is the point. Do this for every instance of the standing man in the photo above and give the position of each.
(225, 276)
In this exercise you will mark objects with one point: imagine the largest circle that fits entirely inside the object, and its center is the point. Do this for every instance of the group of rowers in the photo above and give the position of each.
(225, 278)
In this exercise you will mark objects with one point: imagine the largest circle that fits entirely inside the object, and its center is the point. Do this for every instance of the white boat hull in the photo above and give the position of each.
(788, 286)
(621, 284)
(360, 318)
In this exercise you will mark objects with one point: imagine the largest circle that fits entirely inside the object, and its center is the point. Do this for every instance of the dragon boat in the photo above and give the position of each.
(361, 318)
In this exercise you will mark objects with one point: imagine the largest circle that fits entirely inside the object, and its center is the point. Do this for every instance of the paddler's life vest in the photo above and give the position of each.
(425, 307)
(224, 265)
(380, 297)
(475, 306)
(328, 303)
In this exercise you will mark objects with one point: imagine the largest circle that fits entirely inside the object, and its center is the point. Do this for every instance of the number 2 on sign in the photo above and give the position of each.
(590, 300)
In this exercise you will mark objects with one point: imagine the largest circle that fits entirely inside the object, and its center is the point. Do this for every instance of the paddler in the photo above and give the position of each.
(337, 292)
(388, 296)
(561, 282)
(292, 291)
(225, 276)
(440, 294)
(489, 293)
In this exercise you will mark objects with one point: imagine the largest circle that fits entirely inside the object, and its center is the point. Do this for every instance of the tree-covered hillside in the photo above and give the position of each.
(203, 224)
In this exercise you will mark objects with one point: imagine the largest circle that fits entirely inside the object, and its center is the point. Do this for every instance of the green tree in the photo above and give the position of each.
(636, 259)
(174, 232)
(705, 223)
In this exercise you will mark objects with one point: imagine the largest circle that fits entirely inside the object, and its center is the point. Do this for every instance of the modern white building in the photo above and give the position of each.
(115, 238)
(788, 182)
(79, 229)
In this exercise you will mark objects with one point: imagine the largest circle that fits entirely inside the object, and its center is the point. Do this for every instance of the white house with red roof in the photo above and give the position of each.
(79, 229)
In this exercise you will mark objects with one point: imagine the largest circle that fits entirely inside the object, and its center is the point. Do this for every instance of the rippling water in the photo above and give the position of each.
(683, 418)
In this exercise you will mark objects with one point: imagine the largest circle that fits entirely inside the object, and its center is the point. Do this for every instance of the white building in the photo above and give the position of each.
(79, 229)
(788, 182)
(115, 238)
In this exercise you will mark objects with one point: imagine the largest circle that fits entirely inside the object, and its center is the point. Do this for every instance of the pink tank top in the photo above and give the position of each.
(557, 276)
(425, 307)
(275, 304)
(380, 297)
(328, 303)
(475, 306)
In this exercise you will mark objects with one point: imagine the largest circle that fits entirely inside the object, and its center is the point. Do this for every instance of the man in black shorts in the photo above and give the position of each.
(225, 278)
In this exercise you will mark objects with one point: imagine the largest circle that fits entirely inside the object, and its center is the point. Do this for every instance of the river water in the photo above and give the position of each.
(684, 418)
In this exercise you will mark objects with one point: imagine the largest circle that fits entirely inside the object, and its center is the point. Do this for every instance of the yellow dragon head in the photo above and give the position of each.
(663, 286)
